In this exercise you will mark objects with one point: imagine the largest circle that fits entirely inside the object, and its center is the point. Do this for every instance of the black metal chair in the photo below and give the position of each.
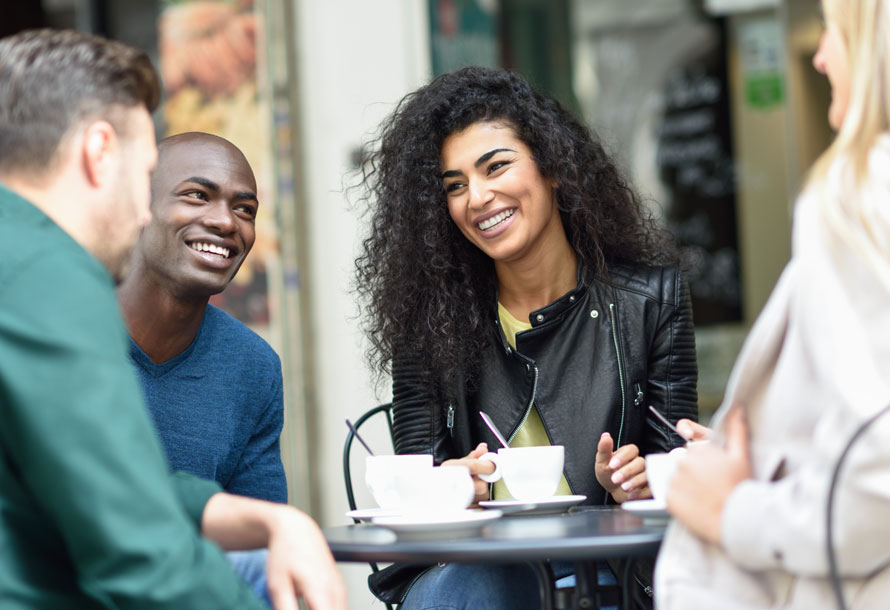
(386, 410)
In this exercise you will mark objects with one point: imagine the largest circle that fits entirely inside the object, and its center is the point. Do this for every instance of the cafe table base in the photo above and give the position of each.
(588, 592)
(584, 535)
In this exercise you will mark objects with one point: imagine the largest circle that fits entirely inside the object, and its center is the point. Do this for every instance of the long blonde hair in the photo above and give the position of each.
(853, 206)
(865, 26)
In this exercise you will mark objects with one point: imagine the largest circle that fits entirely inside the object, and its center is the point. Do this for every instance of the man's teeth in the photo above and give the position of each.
(487, 225)
(202, 247)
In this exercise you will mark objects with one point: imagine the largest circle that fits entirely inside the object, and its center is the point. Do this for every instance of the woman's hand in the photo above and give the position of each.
(707, 476)
(693, 431)
(477, 467)
(622, 473)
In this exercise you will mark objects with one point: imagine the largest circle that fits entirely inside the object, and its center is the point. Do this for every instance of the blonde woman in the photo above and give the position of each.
(750, 508)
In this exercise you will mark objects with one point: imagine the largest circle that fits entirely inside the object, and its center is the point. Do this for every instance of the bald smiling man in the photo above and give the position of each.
(212, 385)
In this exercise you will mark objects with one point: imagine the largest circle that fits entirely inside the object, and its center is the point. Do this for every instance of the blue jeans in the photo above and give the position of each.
(462, 586)
(458, 586)
(251, 567)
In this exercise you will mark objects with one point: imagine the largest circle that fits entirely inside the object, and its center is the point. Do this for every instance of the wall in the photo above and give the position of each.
(354, 60)
(764, 197)
(809, 94)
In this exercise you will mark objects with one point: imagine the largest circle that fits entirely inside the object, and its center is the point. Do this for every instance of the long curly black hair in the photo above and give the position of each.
(427, 293)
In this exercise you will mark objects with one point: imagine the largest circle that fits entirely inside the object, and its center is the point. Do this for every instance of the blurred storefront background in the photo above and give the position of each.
(712, 107)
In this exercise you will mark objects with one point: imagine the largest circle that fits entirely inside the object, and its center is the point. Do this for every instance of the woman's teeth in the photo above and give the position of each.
(490, 223)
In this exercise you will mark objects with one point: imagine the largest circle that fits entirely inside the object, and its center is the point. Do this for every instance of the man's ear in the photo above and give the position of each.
(99, 146)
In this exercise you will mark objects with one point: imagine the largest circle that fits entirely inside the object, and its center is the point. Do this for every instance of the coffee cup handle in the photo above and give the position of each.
(494, 476)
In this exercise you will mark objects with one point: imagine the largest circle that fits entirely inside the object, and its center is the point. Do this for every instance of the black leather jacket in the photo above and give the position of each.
(593, 361)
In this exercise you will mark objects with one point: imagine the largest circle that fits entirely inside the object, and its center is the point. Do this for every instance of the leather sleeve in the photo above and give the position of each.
(419, 417)
(673, 371)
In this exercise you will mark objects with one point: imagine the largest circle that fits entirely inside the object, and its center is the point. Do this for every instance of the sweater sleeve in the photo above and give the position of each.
(78, 438)
(260, 473)
(781, 524)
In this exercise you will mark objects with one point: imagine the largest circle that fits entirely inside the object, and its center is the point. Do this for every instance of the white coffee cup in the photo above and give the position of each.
(660, 468)
(442, 489)
(530, 473)
(388, 475)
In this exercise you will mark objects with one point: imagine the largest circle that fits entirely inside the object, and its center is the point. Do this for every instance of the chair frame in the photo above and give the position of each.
(385, 408)
(347, 446)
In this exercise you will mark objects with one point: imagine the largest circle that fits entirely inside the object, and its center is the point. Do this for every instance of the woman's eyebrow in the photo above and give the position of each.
(490, 154)
(455, 172)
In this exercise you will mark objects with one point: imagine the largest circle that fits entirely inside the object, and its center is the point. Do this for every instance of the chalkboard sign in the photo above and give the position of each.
(695, 164)
(658, 96)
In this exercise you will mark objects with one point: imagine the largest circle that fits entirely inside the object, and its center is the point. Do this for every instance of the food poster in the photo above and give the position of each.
(211, 61)
(463, 33)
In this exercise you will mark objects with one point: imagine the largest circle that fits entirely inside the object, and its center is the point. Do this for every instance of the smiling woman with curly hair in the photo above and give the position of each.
(510, 268)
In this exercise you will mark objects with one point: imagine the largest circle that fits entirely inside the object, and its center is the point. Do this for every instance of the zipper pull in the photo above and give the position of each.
(639, 398)
(449, 421)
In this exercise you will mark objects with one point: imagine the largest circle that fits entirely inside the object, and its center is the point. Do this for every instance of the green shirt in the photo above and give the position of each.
(89, 516)
(531, 432)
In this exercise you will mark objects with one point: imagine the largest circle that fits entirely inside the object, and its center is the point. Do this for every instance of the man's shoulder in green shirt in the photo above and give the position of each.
(88, 515)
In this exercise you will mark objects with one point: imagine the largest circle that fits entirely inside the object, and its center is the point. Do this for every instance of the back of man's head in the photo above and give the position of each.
(52, 81)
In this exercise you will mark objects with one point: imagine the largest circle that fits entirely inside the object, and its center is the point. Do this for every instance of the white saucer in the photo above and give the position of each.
(462, 523)
(553, 504)
(648, 509)
(366, 514)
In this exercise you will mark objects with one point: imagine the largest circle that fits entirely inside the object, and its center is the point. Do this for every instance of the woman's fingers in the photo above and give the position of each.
(632, 475)
(624, 456)
(476, 467)
(693, 431)
(480, 491)
(643, 493)
(480, 450)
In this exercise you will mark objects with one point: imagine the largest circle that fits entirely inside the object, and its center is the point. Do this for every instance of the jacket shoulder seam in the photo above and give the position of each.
(657, 294)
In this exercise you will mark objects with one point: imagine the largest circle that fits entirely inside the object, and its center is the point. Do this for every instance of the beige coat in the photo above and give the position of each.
(815, 366)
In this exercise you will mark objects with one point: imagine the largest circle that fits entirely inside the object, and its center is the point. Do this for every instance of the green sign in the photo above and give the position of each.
(762, 51)
(764, 90)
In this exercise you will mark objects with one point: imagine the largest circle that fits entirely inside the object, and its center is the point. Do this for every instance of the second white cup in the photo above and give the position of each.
(660, 468)
(530, 473)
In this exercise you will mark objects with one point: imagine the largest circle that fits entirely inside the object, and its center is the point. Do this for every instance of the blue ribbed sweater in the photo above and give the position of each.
(218, 407)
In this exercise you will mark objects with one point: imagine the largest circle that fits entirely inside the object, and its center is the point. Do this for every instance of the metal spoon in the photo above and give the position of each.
(356, 434)
(666, 422)
(494, 430)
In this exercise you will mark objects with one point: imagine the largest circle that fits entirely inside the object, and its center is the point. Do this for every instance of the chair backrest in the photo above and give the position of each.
(386, 410)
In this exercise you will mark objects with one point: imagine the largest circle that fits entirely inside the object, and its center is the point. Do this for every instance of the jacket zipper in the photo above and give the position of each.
(620, 372)
(449, 421)
(528, 408)
(647, 589)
